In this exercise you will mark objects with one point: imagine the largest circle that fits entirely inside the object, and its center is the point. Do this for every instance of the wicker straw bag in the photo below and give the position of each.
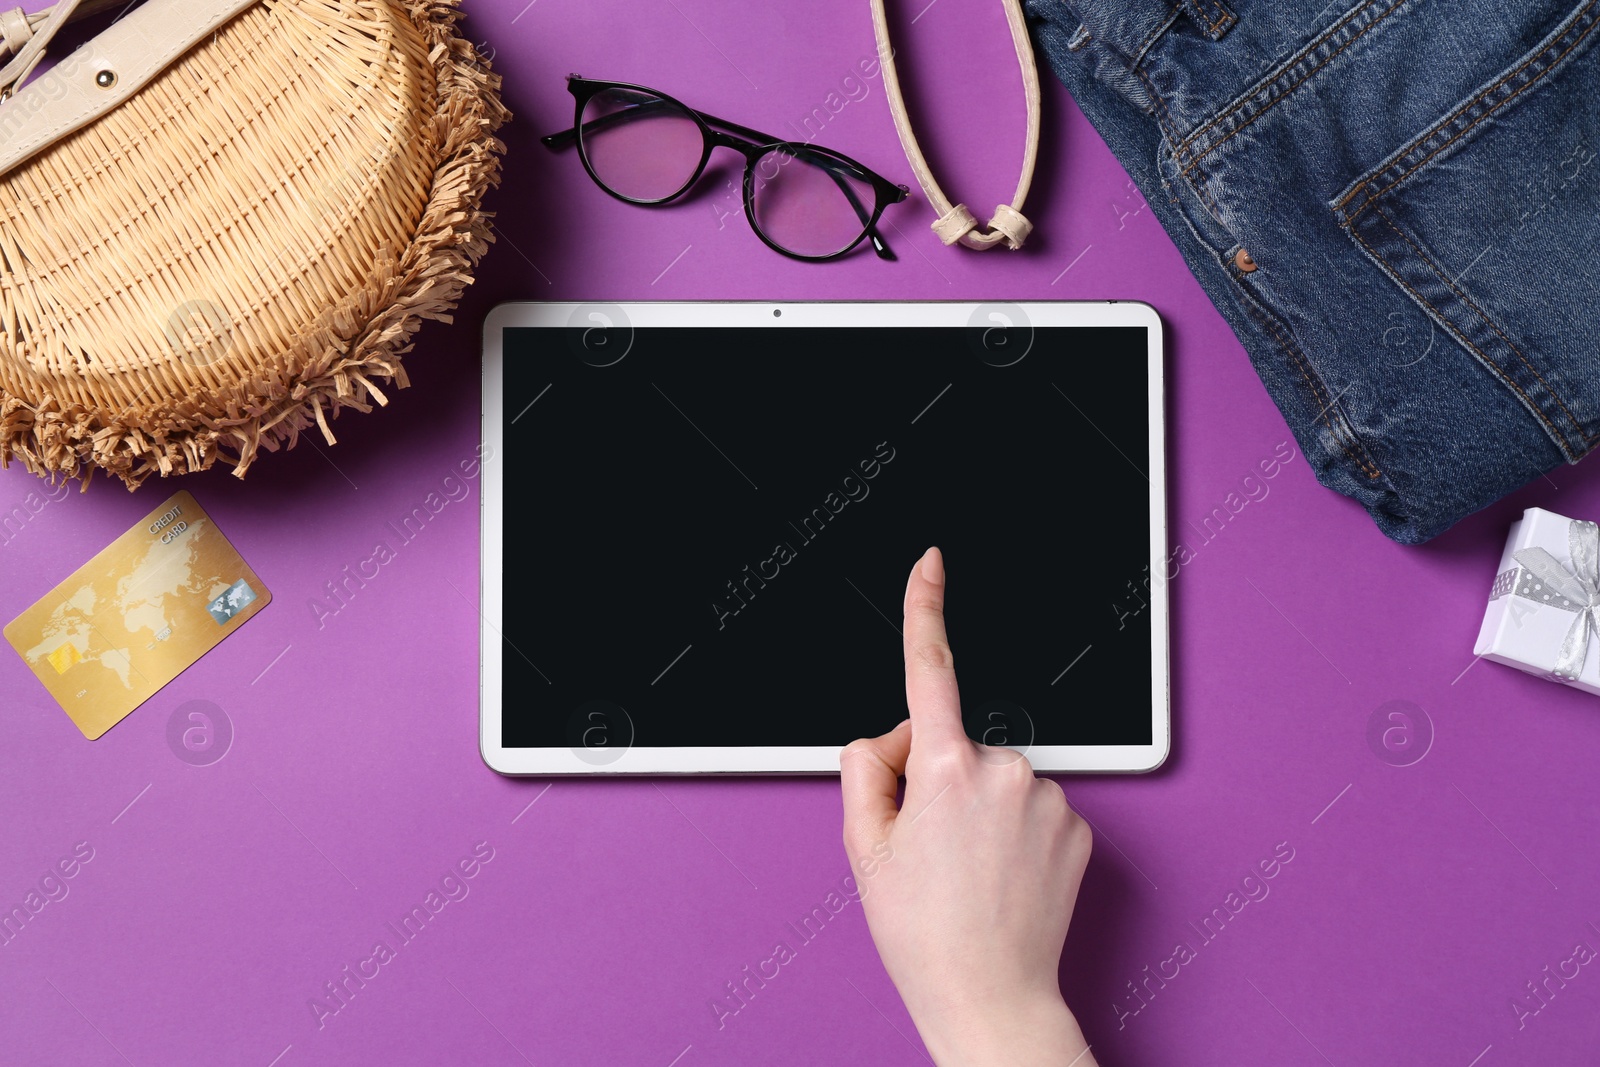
(222, 221)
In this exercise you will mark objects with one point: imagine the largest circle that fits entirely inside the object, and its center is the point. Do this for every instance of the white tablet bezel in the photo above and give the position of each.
(801, 315)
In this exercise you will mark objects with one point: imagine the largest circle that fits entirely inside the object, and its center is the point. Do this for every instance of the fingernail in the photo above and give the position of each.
(902, 724)
(933, 566)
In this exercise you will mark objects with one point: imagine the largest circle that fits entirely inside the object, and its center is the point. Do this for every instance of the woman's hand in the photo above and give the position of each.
(967, 885)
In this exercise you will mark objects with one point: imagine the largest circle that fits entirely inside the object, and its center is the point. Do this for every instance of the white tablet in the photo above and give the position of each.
(698, 521)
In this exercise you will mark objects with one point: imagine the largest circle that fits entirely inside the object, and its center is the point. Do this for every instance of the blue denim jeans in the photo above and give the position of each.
(1396, 206)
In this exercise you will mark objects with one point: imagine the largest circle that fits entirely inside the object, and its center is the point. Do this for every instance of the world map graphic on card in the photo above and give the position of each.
(137, 615)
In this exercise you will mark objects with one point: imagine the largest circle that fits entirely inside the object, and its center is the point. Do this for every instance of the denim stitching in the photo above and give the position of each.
(1245, 123)
(1462, 111)
(1366, 466)
(1213, 29)
(1224, 19)
(1457, 334)
(1294, 61)
(1465, 299)
(1369, 468)
(1164, 120)
(1150, 38)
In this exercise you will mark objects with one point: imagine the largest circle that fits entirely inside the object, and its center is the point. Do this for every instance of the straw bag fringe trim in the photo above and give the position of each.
(347, 355)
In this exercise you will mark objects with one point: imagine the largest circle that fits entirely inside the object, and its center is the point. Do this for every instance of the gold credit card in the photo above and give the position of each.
(137, 615)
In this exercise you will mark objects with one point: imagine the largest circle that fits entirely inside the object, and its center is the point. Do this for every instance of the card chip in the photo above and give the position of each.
(63, 657)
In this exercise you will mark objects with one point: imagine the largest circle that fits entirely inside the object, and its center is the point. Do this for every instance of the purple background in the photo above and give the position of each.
(1420, 899)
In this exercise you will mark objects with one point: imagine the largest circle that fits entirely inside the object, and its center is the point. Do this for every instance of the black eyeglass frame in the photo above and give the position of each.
(753, 145)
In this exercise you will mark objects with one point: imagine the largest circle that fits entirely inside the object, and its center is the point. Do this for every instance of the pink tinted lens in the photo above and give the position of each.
(808, 204)
(640, 146)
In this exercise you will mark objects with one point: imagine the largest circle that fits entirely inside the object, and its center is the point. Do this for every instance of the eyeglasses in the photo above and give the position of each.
(644, 147)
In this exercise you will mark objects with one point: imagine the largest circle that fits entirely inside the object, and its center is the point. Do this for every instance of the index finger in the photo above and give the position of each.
(931, 691)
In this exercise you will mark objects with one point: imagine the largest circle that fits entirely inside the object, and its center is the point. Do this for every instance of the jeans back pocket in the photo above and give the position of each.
(1489, 220)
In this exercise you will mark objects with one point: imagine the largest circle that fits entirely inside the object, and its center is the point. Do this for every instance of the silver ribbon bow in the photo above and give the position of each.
(1577, 589)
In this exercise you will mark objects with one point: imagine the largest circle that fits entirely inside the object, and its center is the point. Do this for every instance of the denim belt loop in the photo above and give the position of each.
(1127, 28)
(1212, 16)
(1124, 29)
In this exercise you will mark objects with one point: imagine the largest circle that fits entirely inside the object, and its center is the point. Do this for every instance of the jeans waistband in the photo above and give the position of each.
(1130, 27)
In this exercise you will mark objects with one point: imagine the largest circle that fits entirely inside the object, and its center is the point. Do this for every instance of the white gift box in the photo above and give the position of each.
(1544, 607)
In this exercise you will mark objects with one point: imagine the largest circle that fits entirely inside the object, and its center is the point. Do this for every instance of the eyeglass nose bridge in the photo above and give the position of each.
(755, 151)
(752, 151)
(743, 145)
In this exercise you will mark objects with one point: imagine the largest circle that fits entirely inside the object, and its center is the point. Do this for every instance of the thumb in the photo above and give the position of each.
(869, 773)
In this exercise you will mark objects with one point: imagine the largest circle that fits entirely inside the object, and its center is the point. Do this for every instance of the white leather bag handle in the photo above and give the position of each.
(26, 36)
(98, 76)
(955, 223)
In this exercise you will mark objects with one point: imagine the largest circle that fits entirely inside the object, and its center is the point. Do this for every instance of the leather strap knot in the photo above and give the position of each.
(1008, 227)
(955, 224)
(1010, 223)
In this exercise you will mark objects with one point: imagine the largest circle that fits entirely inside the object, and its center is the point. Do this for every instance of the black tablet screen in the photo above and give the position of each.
(711, 530)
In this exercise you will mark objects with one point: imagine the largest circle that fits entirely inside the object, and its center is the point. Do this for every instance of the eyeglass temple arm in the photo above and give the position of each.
(826, 163)
(566, 138)
(558, 141)
(555, 142)
(879, 246)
